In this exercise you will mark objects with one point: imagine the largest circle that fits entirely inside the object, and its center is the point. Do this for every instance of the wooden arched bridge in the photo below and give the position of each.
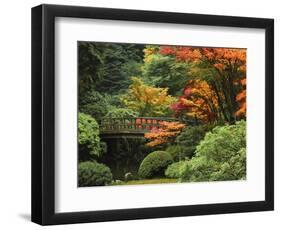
(130, 127)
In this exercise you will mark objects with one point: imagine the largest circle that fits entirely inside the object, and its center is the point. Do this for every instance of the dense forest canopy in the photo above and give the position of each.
(107, 67)
(196, 84)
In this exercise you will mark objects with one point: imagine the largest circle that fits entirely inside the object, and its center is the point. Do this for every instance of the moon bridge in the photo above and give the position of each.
(130, 127)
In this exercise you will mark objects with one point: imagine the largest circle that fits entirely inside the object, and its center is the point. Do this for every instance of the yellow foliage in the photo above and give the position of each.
(148, 53)
(147, 100)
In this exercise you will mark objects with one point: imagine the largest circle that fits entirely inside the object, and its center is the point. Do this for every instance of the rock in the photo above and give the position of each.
(128, 176)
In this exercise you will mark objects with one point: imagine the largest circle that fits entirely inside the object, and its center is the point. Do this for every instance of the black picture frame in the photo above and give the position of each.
(43, 114)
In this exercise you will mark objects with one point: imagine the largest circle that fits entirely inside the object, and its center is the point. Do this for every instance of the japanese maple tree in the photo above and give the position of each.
(147, 100)
(223, 70)
(165, 133)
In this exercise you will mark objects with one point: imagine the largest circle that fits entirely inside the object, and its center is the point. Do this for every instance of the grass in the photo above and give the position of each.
(147, 181)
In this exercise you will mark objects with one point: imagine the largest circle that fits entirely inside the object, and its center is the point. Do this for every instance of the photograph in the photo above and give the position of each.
(140, 114)
(155, 114)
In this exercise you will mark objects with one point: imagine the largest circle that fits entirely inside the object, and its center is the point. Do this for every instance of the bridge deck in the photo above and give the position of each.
(130, 126)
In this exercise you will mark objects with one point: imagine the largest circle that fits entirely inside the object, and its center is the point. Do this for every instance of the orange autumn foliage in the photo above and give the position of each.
(230, 65)
(167, 132)
(241, 99)
(220, 58)
(198, 101)
(231, 58)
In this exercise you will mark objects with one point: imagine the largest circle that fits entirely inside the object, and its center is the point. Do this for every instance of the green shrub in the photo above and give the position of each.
(221, 155)
(121, 113)
(103, 147)
(88, 135)
(93, 174)
(190, 138)
(173, 170)
(94, 104)
(176, 152)
(234, 169)
(197, 169)
(113, 100)
(154, 164)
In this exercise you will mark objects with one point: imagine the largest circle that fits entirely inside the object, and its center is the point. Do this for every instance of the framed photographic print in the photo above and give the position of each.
(141, 114)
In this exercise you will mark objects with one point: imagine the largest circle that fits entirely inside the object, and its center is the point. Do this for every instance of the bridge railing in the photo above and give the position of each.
(141, 124)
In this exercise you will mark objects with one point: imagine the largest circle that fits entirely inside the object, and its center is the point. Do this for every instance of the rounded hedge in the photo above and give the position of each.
(93, 174)
(154, 164)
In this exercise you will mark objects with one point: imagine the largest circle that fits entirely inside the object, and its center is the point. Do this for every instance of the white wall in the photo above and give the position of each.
(15, 113)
